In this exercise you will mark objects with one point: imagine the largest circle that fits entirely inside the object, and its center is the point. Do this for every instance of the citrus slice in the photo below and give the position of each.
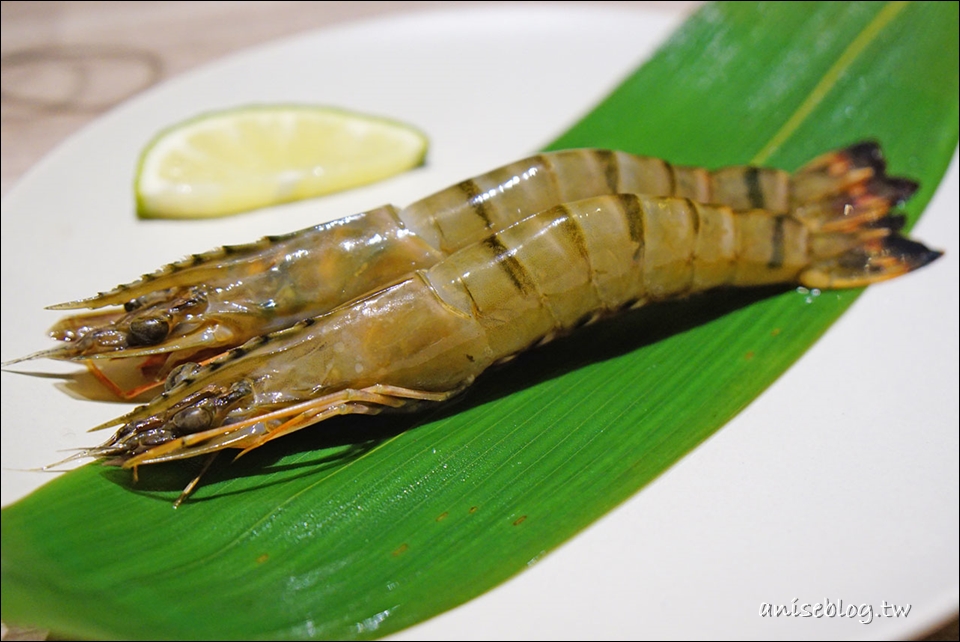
(241, 159)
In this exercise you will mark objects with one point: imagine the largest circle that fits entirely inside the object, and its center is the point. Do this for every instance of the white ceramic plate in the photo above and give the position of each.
(839, 483)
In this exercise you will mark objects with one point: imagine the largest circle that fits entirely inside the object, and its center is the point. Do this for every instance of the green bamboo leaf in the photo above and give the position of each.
(386, 519)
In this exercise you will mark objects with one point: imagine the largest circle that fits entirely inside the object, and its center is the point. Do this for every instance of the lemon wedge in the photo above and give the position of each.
(241, 159)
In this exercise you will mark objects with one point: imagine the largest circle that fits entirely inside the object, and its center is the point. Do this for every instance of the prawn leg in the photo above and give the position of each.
(249, 434)
(367, 401)
(192, 486)
(115, 388)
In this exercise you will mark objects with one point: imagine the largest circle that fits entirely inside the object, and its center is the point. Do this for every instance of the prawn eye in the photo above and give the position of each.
(193, 419)
(148, 332)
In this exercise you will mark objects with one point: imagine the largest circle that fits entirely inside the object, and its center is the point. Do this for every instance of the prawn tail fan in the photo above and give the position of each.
(854, 175)
(875, 252)
(846, 199)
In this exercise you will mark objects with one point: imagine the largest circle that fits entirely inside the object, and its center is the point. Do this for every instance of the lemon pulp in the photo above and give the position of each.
(250, 157)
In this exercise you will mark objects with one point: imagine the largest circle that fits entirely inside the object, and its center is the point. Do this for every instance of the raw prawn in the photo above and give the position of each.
(428, 336)
(211, 302)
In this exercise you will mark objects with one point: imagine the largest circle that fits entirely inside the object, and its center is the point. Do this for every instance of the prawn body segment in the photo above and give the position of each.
(473, 209)
(210, 302)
